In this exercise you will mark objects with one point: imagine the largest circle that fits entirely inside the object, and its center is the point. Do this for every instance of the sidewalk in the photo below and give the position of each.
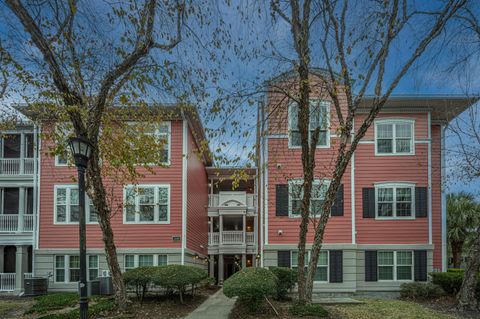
(216, 306)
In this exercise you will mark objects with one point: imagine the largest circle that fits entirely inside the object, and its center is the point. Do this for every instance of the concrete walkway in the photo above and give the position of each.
(217, 306)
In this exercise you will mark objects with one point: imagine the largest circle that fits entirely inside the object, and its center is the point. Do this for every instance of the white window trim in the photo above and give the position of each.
(66, 268)
(137, 222)
(57, 157)
(395, 186)
(290, 146)
(88, 266)
(395, 266)
(136, 260)
(394, 146)
(169, 144)
(298, 181)
(308, 258)
(67, 212)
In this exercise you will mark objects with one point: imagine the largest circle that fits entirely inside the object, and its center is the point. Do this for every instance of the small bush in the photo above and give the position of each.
(54, 301)
(287, 279)
(420, 290)
(140, 278)
(251, 286)
(312, 310)
(451, 282)
(455, 270)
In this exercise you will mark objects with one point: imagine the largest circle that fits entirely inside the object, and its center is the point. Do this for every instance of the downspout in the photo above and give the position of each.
(430, 239)
(184, 188)
(443, 201)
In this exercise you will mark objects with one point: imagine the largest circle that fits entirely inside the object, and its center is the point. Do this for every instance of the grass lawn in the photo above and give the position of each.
(13, 308)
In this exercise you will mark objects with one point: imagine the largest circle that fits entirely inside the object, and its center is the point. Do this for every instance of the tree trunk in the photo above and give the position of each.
(466, 298)
(457, 248)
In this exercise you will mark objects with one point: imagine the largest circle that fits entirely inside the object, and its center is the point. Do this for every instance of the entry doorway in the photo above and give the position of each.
(9, 259)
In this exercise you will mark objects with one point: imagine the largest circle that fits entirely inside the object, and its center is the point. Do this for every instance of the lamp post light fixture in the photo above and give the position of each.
(81, 149)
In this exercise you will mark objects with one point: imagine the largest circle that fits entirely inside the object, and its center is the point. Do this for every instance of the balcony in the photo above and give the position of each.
(231, 238)
(16, 223)
(17, 166)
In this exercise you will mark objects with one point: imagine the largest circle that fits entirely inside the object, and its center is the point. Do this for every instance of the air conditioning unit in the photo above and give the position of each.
(105, 273)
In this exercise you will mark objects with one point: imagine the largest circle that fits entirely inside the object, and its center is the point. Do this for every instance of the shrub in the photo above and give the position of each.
(140, 278)
(455, 270)
(286, 280)
(178, 277)
(451, 282)
(420, 290)
(251, 286)
(311, 310)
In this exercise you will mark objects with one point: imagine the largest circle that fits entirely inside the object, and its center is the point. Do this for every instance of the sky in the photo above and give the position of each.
(240, 47)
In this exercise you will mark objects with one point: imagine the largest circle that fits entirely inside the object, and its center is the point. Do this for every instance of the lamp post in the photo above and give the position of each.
(81, 149)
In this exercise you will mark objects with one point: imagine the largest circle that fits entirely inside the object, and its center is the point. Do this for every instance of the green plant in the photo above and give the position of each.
(451, 281)
(287, 278)
(53, 301)
(178, 277)
(97, 307)
(251, 286)
(310, 310)
(420, 290)
(140, 278)
(455, 270)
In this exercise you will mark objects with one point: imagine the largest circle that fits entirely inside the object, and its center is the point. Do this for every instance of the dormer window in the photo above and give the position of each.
(319, 117)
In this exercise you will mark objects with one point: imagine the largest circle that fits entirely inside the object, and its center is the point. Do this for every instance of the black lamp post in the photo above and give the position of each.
(81, 149)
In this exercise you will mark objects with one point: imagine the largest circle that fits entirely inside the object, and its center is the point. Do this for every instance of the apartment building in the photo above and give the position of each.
(18, 202)
(388, 222)
(387, 225)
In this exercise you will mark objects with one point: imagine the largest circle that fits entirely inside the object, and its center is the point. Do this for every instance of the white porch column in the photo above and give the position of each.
(2, 256)
(22, 154)
(220, 268)
(244, 261)
(21, 262)
(244, 227)
(220, 232)
(212, 266)
(21, 208)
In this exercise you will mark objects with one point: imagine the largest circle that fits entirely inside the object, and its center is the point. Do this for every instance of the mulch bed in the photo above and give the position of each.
(446, 305)
(161, 306)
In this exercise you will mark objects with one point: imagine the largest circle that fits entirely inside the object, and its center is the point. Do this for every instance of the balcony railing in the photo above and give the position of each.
(231, 238)
(232, 199)
(16, 223)
(17, 166)
(7, 281)
(27, 275)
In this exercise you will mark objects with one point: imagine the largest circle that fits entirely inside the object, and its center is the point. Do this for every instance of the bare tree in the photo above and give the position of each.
(386, 24)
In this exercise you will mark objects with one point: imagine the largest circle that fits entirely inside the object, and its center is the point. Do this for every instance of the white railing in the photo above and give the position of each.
(232, 199)
(7, 281)
(232, 237)
(12, 223)
(17, 166)
(250, 236)
(213, 238)
(27, 275)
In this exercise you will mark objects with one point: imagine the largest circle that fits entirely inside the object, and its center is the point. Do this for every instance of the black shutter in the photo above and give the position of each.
(370, 265)
(337, 208)
(336, 266)
(421, 202)
(281, 196)
(368, 195)
(420, 264)
(283, 258)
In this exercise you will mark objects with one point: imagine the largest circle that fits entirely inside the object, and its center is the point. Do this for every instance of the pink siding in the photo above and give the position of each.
(421, 123)
(197, 200)
(126, 236)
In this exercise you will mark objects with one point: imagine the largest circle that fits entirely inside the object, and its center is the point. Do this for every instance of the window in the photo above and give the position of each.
(395, 265)
(92, 267)
(295, 193)
(395, 200)
(134, 261)
(319, 118)
(10, 201)
(322, 265)
(11, 146)
(67, 268)
(67, 205)
(161, 133)
(62, 132)
(394, 137)
(147, 204)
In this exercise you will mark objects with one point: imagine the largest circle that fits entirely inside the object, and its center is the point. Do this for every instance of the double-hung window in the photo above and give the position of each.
(395, 265)
(67, 206)
(295, 193)
(160, 132)
(62, 151)
(394, 137)
(93, 270)
(322, 265)
(319, 118)
(134, 261)
(67, 268)
(395, 200)
(147, 204)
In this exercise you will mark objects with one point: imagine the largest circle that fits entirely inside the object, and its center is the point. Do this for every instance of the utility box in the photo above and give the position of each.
(93, 288)
(106, 286)
(35, 286)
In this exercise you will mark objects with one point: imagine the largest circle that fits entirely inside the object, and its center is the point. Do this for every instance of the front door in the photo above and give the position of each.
(9, 260)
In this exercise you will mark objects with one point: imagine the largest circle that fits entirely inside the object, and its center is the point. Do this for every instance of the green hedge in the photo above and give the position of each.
(420, 290)
(287, 278)
(451, 281)
(251, 286)
(170, 277)
(311, 310)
